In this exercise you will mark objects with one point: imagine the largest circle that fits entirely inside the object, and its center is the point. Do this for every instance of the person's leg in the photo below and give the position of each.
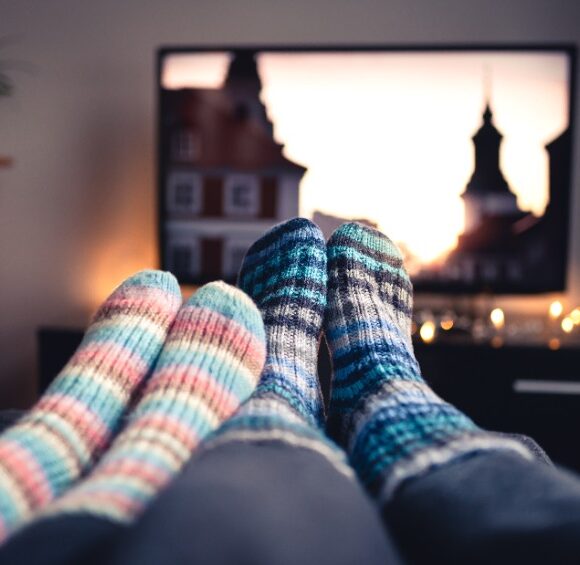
(209, 364)
(61, 436)
(254, 502)
(477, 496)
(493, 507)
(269, 488)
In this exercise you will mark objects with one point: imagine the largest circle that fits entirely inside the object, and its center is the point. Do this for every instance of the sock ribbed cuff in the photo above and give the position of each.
(405, 430)
(265, 418)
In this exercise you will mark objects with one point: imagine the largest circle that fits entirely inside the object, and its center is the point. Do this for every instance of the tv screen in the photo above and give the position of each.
(462, 155)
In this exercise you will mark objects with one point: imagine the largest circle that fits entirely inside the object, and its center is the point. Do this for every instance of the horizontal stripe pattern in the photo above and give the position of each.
(55, 442)
(209, 365)
(392, 424)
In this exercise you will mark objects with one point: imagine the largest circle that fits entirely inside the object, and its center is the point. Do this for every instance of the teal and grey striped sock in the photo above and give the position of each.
(285, 274)
(393, 426)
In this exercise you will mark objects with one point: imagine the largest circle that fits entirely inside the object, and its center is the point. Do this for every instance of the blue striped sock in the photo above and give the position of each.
(285, 274)
(391, 423)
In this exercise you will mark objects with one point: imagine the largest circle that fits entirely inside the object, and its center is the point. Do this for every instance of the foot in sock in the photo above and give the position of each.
(54, 443)
(390, 422)
(210, 363)
(285, 274)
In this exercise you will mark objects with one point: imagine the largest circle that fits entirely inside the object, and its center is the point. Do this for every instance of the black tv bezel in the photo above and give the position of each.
(569, 49)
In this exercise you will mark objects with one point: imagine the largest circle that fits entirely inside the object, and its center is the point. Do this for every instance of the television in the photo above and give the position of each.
(461, 154)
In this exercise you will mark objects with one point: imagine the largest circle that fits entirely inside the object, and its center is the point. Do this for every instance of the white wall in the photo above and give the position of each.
(77, 209)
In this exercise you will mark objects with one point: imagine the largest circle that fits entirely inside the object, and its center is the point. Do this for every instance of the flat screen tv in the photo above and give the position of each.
(461, 154)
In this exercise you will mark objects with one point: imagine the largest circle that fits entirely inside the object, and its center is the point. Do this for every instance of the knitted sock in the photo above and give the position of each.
(49, 448)
(393, 426)
(285, 273)
(210, 363)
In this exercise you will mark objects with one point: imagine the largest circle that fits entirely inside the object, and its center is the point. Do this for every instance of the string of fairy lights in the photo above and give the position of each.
(558, 327)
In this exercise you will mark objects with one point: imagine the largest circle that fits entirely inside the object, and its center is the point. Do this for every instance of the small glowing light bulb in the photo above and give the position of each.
(446, 323)
(554, 344)
(497, 318)
(575, 315)
(567, 325)
(556, 309)
(427, 331)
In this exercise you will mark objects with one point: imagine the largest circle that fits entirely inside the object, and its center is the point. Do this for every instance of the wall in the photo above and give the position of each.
(77, 209)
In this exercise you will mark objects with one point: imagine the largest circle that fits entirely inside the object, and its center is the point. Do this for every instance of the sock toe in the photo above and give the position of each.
(360, 256)
(151, 278)
(232, 303)
(301, 227)
(289, 258)
(146, 291)
(354, 241)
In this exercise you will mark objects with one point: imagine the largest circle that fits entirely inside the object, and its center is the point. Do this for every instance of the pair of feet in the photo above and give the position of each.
(179, 370)
(355, 289)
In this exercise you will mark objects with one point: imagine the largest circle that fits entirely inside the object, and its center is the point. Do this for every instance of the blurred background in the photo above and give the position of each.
(77, 134)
